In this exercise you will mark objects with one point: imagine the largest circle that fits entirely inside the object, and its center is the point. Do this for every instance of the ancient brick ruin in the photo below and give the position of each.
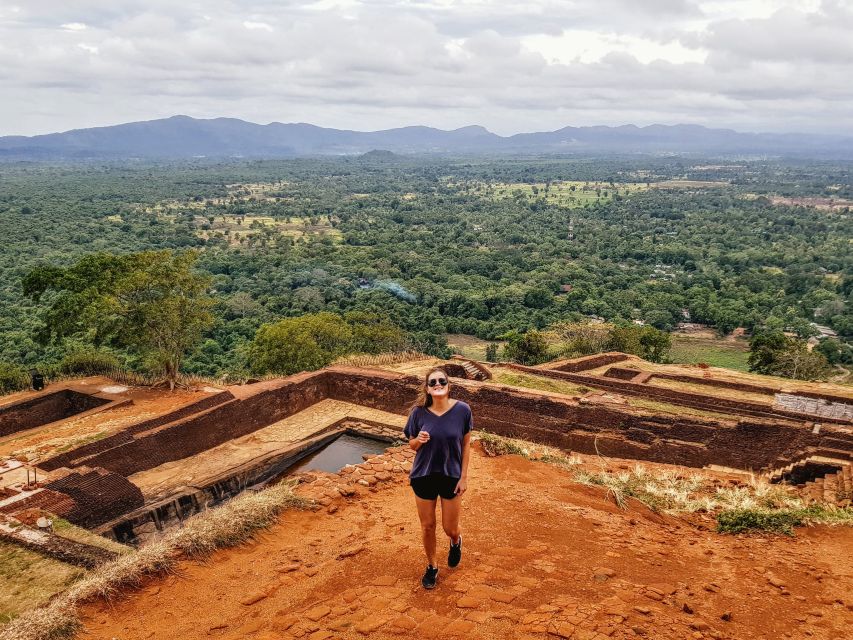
(748, 435)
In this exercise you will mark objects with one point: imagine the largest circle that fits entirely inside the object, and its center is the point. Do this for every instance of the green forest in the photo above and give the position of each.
(421, 247)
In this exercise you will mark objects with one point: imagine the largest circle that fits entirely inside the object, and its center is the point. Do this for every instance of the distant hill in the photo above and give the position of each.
(185, 137)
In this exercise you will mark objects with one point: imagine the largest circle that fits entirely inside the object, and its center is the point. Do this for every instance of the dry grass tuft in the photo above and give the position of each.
(56, 621)
(666, 491)
(236, 521)
(226, 526)
(494, 445)
(759, 506)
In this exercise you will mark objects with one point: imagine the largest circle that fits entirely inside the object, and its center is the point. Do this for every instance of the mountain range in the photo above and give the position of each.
(185, 137)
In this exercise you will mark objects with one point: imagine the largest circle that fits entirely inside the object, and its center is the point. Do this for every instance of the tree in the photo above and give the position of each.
(371, 333)
(835, 351)
(305, 343)
(581, 338)
(491, 352)
(647, 342)
(151, 303)
(525, 348)
(774, 353)
(763, 347)
(798, 362)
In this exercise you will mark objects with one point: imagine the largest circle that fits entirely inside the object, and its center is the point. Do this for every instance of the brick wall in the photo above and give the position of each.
(77, 456)
(44, 409)
(212, 427)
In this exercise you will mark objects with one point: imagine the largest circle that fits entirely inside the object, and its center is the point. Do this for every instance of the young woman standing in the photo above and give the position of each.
(439, 429)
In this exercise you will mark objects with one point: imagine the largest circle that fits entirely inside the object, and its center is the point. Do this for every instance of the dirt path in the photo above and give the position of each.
(544, 557)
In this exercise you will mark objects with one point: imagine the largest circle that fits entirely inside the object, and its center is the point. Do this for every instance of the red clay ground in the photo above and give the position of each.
(544, 557)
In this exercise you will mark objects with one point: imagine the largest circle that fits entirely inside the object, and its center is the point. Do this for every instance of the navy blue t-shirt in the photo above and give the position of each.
(443, 453)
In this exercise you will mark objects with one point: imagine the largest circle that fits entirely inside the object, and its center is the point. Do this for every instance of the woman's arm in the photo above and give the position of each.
(462, 485)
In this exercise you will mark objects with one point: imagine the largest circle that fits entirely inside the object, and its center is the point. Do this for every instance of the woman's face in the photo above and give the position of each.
(438, 385)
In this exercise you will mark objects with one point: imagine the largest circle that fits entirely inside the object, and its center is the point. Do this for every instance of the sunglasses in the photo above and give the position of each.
(437, 381)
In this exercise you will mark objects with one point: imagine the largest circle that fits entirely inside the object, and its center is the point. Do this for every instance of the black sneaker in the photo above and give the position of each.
(428, 581)
(455, 554)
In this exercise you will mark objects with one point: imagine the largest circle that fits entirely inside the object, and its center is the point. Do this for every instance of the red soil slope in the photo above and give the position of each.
(544, 557)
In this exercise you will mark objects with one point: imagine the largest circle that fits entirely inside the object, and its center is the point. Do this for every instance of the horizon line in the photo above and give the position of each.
(425, 126)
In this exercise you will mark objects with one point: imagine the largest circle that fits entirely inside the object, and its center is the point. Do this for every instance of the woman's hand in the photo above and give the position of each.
(419, 440)
(461, 486)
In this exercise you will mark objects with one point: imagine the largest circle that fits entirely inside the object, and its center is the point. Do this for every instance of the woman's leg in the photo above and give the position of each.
(450, 511)
(426, 513)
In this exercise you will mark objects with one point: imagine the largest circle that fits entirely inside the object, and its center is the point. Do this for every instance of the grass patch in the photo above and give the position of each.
(373, 359)
(708, 390)
(235, 522)
(566, 193)
(717, 353)
(675, 409)
(29, 580)
(541, 383)
(73, 444)
(495, 445)
(471, 347)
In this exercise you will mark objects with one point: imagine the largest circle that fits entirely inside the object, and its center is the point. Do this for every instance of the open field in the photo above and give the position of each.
(689, 184)
(569, 193)
(240, 228)
(826, 204)
(469, 346)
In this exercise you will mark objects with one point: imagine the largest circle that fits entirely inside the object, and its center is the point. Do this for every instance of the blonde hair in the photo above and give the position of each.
(424, 398)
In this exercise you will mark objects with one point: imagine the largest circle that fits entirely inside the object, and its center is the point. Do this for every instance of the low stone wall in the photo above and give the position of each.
(47, 408)
(455, 370)
(621, 373)
(586, 427)
(57, 547)
(587, 362)
(722, 384)
(684, 398)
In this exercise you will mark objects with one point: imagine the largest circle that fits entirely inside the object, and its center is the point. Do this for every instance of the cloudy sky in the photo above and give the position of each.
(512, 66)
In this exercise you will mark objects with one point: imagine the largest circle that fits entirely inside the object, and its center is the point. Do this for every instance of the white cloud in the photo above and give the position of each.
(541, 64)
(251, 26)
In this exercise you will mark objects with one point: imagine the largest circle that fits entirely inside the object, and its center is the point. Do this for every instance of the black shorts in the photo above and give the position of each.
(432, 486)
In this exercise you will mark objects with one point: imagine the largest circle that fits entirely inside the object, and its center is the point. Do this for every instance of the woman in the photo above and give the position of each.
(439, 429)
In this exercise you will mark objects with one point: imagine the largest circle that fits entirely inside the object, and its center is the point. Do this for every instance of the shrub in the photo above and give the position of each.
(526, 348)
(88, 362)
(781, 520)
(12, 378)
(739, 520)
